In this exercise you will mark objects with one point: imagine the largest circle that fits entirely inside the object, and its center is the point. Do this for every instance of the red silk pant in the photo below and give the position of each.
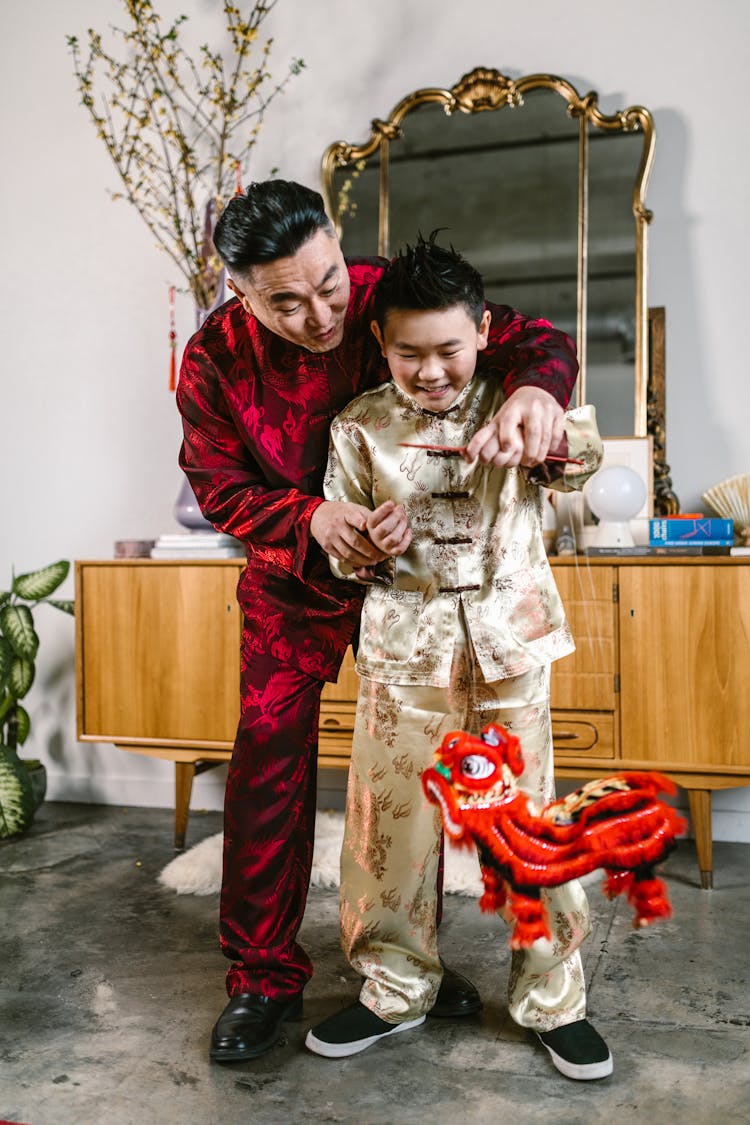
(269, 828)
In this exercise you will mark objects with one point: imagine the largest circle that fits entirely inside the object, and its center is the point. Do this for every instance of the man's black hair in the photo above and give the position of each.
(429, 276)
(271, 220)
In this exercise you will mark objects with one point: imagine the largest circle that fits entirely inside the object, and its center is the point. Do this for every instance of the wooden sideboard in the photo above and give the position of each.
(157, 667)
(659, 679)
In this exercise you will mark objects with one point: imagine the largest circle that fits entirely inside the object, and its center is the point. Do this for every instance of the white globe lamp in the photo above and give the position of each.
(615, 495)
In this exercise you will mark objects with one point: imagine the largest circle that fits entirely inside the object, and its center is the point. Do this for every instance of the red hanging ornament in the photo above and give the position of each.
(238, 172)
(172, 342)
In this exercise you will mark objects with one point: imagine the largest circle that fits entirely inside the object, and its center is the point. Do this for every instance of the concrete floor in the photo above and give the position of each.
(111, 984)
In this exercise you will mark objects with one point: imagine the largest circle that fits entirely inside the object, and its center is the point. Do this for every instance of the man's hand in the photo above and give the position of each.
(526, 427)
(341, 530)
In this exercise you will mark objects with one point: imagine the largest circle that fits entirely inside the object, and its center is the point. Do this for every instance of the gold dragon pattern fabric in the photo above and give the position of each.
(391, 848)
(477, 538)
(459, 632)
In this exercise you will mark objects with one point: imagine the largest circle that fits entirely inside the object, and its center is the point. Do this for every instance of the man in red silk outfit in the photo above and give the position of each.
(259, 385)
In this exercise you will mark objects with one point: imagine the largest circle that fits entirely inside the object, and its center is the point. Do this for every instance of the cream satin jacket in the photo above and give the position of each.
(477, 551)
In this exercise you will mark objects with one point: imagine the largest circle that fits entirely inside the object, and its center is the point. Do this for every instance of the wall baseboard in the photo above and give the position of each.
(730, 825)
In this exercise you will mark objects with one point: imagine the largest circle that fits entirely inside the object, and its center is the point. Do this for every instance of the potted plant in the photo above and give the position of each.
(22, 781)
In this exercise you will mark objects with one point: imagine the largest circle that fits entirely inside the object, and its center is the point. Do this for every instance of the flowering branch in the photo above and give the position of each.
(178, 130)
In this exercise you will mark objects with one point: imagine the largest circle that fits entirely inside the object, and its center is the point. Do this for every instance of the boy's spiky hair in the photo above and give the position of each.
(429, 276)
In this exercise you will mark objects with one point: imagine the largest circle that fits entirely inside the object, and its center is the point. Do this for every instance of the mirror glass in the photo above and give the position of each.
(540, 191)
(611, 322)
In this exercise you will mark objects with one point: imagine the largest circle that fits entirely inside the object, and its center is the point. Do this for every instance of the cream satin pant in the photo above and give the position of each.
(389, 859)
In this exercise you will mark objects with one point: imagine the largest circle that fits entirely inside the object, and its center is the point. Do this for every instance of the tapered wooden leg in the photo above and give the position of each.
(184, 772)
(700, 815)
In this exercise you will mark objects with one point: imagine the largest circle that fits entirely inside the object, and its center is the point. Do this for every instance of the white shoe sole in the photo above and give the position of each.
(343, 1050)
(583, 1072)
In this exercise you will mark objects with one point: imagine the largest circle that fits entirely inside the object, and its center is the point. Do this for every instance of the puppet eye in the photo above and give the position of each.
(477, 767)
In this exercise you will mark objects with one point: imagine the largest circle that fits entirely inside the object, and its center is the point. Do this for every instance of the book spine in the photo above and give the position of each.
(670, 531)
(674, 551)
(698, 543)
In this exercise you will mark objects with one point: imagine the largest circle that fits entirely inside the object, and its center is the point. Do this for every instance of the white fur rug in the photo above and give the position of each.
(198, 870)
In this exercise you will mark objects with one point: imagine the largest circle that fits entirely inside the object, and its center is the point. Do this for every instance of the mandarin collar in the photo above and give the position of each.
(453, 411)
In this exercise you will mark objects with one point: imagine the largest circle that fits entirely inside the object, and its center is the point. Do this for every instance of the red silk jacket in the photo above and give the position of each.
(256, 412)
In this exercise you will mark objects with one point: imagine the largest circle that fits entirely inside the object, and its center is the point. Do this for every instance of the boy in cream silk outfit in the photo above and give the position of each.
(458, 630)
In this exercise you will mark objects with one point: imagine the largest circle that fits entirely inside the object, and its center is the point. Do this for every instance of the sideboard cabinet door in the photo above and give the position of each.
(158, 647)
(685, 666)
(583, 689)
(585, 680)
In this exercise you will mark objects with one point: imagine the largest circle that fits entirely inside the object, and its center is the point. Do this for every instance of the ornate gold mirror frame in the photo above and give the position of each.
(485, 90)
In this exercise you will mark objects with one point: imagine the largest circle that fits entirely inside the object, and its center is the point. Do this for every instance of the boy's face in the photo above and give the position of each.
(432, 353)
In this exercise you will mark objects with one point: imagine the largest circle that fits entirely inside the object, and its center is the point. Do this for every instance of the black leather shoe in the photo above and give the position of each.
(251, 1024)
(456, 996)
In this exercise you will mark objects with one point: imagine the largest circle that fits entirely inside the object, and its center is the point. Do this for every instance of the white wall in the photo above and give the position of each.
(88, 430)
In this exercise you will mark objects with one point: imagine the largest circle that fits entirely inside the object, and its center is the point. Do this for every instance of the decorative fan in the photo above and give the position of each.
(731, 499)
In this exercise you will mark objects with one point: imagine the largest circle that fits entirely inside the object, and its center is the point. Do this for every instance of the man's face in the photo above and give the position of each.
(432, 353)
(304, 298)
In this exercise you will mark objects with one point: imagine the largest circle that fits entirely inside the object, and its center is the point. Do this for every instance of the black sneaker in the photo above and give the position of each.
(352, 1030)
(578, 1051)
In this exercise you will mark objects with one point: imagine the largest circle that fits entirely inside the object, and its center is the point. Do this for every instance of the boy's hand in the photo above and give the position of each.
(341, 530)
(526, 427)
(389, 529)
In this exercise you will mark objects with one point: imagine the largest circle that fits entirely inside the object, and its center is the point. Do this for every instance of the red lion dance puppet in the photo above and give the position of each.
(617, 823)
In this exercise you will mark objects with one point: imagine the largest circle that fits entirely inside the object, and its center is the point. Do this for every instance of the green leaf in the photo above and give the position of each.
(16, 794)
(24, 724)
(5, 705)
(21, 676)
(17, 624)
(66, 606)
(6, 659)
(39, 584)
(4, 596)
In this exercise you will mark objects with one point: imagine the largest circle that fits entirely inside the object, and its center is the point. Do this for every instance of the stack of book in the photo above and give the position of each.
(692, 534)
(197, 545)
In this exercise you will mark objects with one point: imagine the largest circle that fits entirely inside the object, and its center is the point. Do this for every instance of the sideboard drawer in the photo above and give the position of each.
(337, 717)
(335, 732)
(590, 733)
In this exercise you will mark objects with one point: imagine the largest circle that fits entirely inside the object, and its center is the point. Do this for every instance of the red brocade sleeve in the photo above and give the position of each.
(256, 412)
(233, 492)
(529, 353)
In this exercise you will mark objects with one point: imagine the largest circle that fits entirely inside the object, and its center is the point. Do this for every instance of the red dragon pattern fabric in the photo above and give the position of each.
(617, 824)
